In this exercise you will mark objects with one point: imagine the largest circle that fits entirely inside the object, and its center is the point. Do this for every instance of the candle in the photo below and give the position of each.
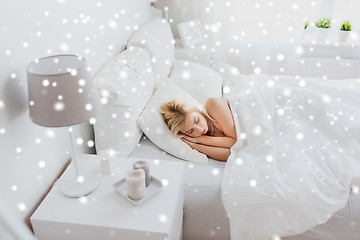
(145, 166)
(105, 166)
(105, 156)
(135, 184)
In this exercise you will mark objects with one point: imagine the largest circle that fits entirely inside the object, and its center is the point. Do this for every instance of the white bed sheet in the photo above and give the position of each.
(205, 217)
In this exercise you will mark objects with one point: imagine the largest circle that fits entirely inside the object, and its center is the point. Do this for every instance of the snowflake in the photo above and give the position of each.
(300, 136)
(253, 183)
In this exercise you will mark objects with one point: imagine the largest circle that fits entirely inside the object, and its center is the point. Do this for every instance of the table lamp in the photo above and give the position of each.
(166, 5)
(62, 93)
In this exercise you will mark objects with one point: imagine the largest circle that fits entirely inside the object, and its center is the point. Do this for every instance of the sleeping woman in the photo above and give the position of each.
(212, 133)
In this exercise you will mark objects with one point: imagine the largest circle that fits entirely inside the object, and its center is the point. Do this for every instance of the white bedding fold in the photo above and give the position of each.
(300, 156)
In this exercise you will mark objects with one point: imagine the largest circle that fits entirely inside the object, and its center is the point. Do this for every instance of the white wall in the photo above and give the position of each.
(236, 31)
(267, 36)
(32, 156)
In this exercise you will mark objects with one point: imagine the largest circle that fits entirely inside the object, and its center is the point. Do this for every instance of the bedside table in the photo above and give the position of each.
(104, 214)
(200, 53)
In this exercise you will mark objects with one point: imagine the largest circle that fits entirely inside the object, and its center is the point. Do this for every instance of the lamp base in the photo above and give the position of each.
(77, 188)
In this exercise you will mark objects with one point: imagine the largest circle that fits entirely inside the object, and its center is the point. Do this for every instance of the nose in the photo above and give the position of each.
(199, 129)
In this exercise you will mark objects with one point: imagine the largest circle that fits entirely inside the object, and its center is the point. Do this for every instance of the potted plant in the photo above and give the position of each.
(345, 31)
(306, 25)
(323, 25)
(306, 32)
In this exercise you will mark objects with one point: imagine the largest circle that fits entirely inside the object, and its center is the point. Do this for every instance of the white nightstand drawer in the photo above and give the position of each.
(62, 231)
(177, 231)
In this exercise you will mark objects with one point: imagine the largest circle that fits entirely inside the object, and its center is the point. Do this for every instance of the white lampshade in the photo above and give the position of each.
(61, 91)
(170, 4)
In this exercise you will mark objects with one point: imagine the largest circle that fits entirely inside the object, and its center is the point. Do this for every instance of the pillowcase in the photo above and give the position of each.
(125, 84)
(156, 37)
(199, 81)
(153, 125)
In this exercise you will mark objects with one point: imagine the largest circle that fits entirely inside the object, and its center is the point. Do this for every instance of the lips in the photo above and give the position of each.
(204, 131)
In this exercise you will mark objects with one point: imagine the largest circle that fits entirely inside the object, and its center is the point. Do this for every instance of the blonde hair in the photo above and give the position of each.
(174, 113)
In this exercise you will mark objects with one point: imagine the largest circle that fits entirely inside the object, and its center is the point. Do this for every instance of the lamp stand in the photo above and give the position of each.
(81, 185)
(166, 14)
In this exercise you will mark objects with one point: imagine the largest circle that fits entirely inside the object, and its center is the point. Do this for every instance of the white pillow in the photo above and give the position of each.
(156, 37)
(199, 81)
(153, 125)
(125, 84)
(116, 129)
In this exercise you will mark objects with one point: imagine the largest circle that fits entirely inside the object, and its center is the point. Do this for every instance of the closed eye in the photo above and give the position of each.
(189, 131)
(196, 120)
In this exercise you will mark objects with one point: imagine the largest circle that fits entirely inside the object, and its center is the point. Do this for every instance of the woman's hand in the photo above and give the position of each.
(185, 140)
(218, 153)
(190, 139)
(225, 142)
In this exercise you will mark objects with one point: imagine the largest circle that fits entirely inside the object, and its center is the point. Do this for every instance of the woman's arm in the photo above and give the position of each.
(219, 109)
(224, 142)
(217, 153)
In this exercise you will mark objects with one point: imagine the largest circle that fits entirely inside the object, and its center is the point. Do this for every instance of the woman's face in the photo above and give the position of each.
(195, 125)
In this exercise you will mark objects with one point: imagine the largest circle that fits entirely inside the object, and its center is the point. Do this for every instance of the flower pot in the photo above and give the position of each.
(322, 34)
(344, 35)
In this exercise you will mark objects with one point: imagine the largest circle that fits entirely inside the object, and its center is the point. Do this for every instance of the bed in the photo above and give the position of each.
(224, 201)
(206, 218)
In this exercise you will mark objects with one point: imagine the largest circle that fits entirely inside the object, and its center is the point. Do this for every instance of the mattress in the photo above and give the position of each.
(205, 216)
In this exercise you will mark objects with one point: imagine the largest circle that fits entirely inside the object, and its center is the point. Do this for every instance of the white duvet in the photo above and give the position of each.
(299, 155)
